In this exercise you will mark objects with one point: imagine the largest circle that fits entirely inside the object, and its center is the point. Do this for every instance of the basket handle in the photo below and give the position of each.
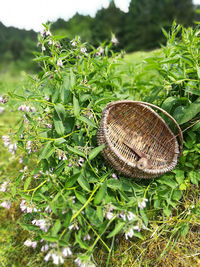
(180, 134)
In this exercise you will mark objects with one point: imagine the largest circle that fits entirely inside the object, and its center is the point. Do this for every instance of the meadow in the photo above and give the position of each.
(68, 195)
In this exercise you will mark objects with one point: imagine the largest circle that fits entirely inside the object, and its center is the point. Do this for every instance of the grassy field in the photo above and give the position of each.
(158, 249)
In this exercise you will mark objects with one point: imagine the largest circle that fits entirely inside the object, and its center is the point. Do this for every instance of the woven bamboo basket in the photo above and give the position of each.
(138, 141)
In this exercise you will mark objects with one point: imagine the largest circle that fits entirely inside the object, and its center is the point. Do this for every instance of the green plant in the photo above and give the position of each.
(70, 198)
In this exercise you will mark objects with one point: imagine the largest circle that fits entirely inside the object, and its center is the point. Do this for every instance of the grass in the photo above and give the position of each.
(161, 246)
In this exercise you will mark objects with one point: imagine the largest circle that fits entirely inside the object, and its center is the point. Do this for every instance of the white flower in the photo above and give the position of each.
(142, 203)
(6, 204)
(130, 233)
(57, 258)
(48, 209)
(109, 215)
(43, 48)
(3, 187)
(114, 175)
(12, 148)
(67, 252)
(123, 216)
(30, 243)
(47, 98)
(87, 237)
(85, 263)
(80, 161)
(114, 40)
(73, 43)
(130, 216)
(45, 248)
(42, 224)
(21, 160)
(6, 140)
(48, 33)
(59, 62)
(83, 50)
(47, 257)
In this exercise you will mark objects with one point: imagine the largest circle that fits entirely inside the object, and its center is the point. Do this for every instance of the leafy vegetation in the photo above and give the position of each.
(139, 29)
(65, 197)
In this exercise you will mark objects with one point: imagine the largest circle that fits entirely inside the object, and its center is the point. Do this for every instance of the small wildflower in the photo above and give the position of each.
(21, 160)
(6, 140)
(6, 204)
(42, 224)
(130, 233)
(109, 215)
(47, 98)
(3, 100)
(87, 237)
(83, 50)
(59, 62)
(67, 252)
(45, 248)
(4, 187)
(48, 33)
(57, 258)
(142, 203)
(114, 40)
(114, 176)
(73, 43)
(12, 148)
(43, 48)
(131, 216)
(84, 263)
(80, 161)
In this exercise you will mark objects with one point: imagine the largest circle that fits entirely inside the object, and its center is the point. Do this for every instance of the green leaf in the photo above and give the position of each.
(168, 181)
(29, 227)
(60, 111)
(72, 180)
(67, 219)
(80, 197)
(100, 194)
(92, 216)
(191, 111)
(117, 229)
(59, 127)
(100, 213)
(76, 106)
(59, 142)
(27, 182)
(169, 103)
(179, 176)
(76, 151)
(184, 229)
(83, 183)
(194, 177)
(46, 151)
(177, 194)
(94, 152)
(50, 238)
(114, 184)
(56, 228)
(21, 128)
(87, 121)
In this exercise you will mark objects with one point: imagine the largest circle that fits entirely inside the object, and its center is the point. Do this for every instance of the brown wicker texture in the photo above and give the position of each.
(138, 141)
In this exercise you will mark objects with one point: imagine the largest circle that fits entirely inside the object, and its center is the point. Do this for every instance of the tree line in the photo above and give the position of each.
(139, 29)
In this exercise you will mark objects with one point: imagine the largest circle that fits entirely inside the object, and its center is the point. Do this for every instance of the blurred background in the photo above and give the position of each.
(136, 24)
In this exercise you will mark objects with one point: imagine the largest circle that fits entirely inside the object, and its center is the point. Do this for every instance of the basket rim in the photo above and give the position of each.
(177, 152)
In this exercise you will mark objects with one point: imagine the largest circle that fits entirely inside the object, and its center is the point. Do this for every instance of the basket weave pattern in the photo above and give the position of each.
(131, 128)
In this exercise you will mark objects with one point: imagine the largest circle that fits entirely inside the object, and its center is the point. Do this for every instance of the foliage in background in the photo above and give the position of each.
(70, 199)
(139, 29)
